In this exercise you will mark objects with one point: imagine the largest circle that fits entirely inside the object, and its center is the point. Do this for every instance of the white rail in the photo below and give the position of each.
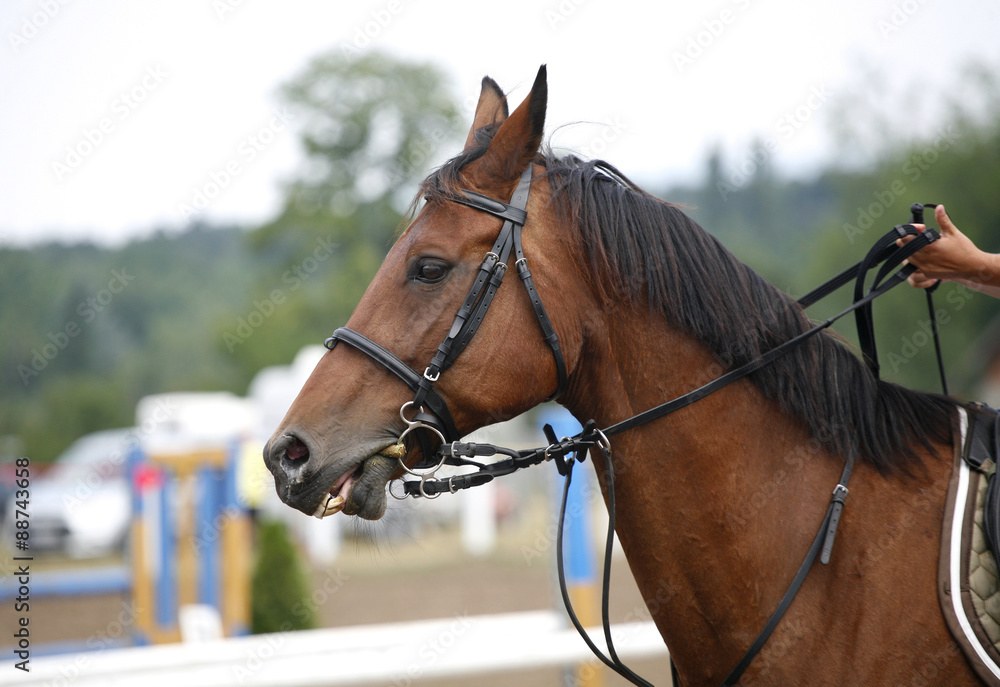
(397, 654)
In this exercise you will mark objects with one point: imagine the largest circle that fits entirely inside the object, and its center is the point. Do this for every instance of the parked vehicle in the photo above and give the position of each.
(82, 506)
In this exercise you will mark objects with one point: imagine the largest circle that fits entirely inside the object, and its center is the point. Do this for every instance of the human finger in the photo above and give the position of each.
(921, 281)
(944, 221)
(902, 241)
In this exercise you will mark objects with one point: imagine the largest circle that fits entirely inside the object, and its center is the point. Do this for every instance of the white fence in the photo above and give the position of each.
(397, 654)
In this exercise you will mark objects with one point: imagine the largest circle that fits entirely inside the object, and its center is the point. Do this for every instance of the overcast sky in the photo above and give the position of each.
(116, 115)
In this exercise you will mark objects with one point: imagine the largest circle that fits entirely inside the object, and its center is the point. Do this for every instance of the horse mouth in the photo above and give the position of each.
(337, 496)
(361, 490)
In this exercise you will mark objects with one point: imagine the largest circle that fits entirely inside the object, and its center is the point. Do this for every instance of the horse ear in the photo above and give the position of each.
(491, 109)
(517, 140)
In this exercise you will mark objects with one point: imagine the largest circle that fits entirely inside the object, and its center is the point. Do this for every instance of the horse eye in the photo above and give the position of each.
(431, 271)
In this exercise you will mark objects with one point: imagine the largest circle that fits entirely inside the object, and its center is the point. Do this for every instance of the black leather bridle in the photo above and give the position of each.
(432, 417)
(431, 414)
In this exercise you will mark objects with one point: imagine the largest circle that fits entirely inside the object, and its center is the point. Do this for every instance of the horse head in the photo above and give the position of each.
(339, 444)
(642, 305)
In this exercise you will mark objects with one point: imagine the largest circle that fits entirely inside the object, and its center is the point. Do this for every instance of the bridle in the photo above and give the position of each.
(432, 418)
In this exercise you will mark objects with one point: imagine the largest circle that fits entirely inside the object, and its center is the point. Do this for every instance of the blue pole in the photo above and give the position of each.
(208, 535)
(578, 546)
(137, 549)
(579, 555)
(166, 581)
(230, 501)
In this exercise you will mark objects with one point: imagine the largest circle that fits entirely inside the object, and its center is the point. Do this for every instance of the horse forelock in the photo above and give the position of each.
(448, 180)
(641, 249)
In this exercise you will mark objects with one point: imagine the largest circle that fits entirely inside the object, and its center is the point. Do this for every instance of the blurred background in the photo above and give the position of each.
(196, 193)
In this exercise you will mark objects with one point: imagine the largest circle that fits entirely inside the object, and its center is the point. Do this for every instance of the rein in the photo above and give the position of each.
(432, 419)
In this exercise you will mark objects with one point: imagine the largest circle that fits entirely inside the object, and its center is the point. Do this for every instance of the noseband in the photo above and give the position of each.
(431, 414)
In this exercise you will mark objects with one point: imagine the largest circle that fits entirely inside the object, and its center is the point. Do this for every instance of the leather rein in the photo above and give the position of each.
(431, 418)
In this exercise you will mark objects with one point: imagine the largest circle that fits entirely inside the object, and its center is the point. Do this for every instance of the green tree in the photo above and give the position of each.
(371, 127)
(75, 357)
(797, 233)
(955, 161)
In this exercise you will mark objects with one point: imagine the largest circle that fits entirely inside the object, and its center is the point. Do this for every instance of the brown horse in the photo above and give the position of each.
(716, 503)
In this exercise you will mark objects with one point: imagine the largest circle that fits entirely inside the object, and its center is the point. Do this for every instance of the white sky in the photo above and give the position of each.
(207, 73)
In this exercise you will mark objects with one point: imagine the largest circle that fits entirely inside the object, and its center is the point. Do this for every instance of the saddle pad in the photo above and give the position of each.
(968, 580)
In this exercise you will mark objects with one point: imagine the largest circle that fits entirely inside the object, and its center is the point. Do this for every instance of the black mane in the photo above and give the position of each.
(645, 250)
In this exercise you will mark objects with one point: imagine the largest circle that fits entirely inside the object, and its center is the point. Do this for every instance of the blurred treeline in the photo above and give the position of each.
(86, 331)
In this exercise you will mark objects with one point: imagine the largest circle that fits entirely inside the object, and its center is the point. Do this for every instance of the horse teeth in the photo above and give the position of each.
(321, 509)
(333, 504)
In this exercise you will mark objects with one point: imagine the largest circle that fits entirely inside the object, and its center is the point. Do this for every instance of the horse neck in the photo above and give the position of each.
(703, 494)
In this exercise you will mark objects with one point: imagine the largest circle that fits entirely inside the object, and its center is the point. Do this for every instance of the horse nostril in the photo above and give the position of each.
(296, 450)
